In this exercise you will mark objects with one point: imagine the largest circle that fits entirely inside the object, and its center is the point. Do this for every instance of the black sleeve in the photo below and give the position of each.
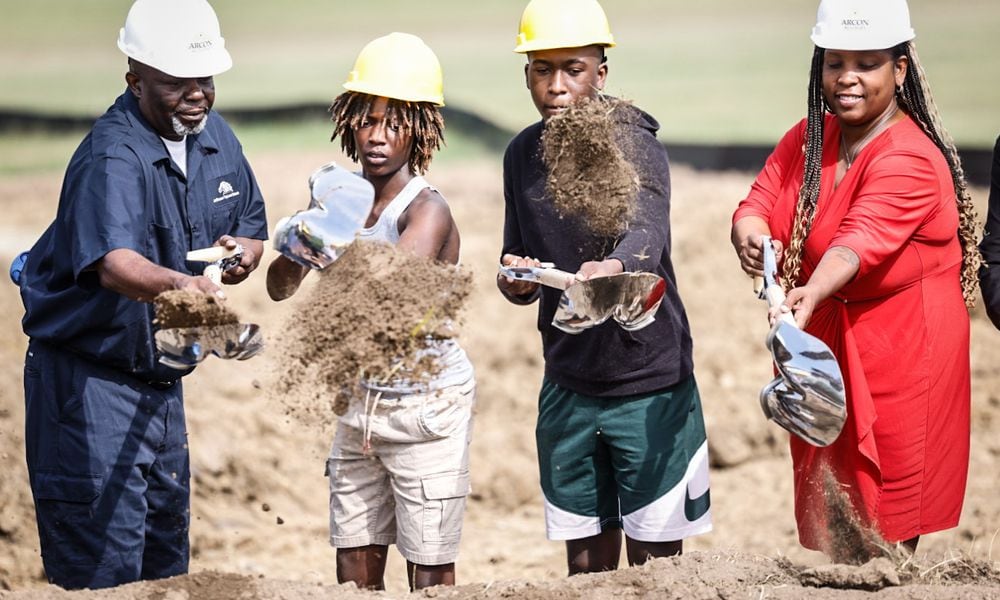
(512, 240)
(989, 274)
(641, 247)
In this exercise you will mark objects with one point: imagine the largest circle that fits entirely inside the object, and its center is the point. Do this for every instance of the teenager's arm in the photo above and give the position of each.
(427, 224)
(513, 252)
(648, 236)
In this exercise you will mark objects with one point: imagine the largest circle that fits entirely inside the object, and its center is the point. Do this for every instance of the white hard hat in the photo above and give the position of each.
(179, 37)
(862, 24)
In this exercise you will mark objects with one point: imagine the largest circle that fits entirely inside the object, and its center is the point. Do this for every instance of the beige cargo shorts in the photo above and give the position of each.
(408, 487)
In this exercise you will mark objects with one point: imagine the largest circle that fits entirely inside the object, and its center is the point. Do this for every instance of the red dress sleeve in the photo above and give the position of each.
(767, 187)
(899, 192)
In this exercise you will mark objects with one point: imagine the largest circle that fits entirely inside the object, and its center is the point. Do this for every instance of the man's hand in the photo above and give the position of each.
(516, 287)
(252, 250)
(603, 268)
(199, 285)
(134, 276)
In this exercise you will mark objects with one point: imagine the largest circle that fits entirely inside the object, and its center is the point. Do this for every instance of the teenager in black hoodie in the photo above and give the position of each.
(620, 434)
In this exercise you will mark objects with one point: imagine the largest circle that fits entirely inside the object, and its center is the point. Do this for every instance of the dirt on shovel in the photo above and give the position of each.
(367, 317)
(589, 178)
(181, 308)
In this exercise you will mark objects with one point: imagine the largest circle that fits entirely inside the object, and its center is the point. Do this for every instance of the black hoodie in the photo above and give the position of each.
(605, 360)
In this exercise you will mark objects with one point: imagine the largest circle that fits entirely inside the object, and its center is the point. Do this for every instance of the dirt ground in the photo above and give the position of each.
(259, 507)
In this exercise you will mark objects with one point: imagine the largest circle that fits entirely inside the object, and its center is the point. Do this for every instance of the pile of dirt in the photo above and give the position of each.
(589, 178)
(182, 308)
(368, 317)
(694, 575)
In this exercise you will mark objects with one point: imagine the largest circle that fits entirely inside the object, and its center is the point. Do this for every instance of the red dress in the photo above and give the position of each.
(900, 330)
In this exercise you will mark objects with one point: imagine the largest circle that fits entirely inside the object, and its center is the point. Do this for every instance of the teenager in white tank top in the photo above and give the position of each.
(455, 367)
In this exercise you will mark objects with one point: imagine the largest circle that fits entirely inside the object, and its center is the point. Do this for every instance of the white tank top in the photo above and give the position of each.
(456, 369)
(386, 229)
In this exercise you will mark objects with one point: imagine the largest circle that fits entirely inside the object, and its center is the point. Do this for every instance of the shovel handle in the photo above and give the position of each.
(776, 297)
(214, 273)
(211, 254)
(555, 278)
(545, 275)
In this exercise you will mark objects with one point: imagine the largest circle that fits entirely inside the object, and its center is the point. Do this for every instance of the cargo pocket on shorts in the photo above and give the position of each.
(444, 505)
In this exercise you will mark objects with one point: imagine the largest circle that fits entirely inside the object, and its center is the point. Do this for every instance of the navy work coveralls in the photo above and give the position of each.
(105, 435)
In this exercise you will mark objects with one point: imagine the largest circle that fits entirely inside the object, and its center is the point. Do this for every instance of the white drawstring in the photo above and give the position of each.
(366, 448)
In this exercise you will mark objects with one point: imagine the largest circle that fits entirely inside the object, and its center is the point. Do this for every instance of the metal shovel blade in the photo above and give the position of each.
(631, 299)
(810, 416)
(339, 204)
(184, 347)
(807, 363)
(811, 402)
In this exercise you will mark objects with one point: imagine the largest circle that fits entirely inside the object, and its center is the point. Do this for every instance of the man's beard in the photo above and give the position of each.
(182, 131)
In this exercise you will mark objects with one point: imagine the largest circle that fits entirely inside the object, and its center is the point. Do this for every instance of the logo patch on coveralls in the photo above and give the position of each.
(226, 192)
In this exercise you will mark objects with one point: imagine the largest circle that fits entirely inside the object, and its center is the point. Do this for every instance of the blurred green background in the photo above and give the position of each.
(709, 70)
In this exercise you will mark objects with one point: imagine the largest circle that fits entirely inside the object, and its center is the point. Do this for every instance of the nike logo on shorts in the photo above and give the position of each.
(695, 508)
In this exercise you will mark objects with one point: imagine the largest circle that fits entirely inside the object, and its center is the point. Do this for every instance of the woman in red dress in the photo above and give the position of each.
(867, 198)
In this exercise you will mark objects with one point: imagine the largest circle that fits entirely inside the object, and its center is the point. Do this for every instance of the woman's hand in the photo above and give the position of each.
(801, 302)
(745, 237)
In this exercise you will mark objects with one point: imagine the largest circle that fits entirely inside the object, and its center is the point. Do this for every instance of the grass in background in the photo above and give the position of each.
(710, 71)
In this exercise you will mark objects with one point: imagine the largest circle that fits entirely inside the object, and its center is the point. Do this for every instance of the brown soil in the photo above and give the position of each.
(694, 575)
(246, 452)
(367, 317)
(181, 308)
(588, 176)
(850, 541)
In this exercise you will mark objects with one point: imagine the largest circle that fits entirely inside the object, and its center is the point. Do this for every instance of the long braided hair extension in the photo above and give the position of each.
(421, 119)
(914, 97)
(809, 192)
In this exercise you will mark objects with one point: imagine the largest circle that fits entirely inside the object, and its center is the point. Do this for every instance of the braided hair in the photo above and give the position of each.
(914, 97)
(422, 120)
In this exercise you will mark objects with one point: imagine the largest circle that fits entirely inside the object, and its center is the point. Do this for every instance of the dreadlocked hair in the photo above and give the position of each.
(809, 192)
(915, 98)
(422, 120)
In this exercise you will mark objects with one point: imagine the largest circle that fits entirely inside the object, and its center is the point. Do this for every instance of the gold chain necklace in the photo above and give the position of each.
(860, 145)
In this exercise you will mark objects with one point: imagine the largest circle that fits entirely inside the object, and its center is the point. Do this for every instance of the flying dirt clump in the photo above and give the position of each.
(368, 317)
(589, 178)
(182, 308)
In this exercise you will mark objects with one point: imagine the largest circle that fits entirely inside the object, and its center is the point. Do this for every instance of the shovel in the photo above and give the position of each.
(184, 347)
(340, 203)
(807, 398)
(631, 299)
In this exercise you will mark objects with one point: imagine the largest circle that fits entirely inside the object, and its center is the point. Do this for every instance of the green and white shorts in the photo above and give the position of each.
(639, 463)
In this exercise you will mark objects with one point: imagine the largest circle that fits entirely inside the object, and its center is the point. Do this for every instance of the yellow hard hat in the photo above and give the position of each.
(548, 24)
(399, 66)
